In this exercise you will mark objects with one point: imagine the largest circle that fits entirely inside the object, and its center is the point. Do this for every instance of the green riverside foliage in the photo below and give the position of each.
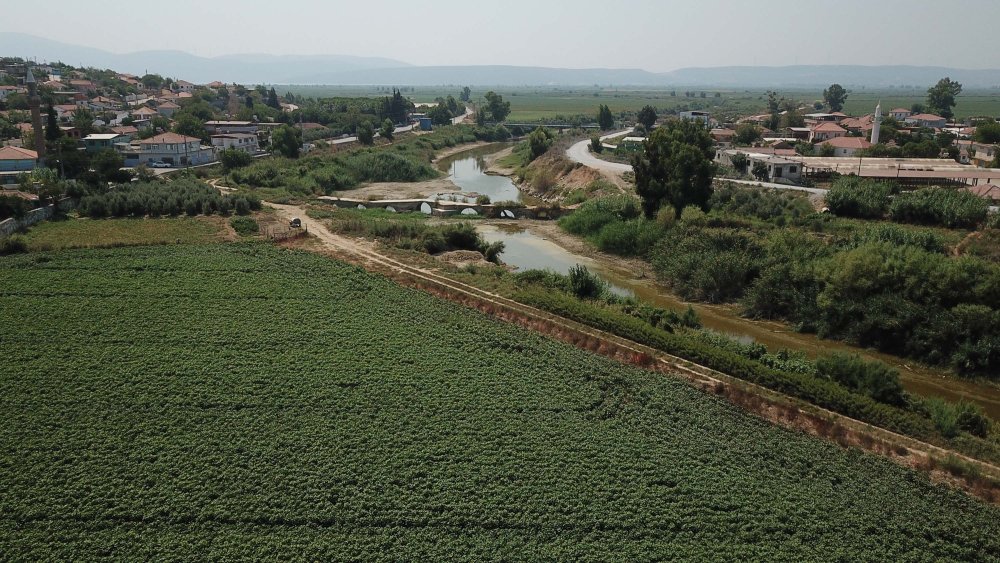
(891, 287)
(939, 206)
(156, 199)
(851, 196)
(246, 402)
(407, 160)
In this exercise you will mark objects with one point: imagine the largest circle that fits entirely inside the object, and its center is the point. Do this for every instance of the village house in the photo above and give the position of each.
(218, 127)
(183, 86)
(167, 109)
(825, 131)
(847, 146)
(246, 142)
(8, 90)
(900, 114)
(15, 161)
(170, 148)
(927, 120)
(97, 142)
(990, 192)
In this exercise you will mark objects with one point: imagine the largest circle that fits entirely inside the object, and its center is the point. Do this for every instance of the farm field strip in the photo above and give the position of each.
(697, 374)
(396, 424)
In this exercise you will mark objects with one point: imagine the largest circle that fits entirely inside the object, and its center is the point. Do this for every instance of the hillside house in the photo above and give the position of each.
(171, 148)
(246, 142)
(825, 131)
(926, 120)
(97, 142)
(900, 114)
(167, 109)
(220, 127)
(15, 161)
(847, 146)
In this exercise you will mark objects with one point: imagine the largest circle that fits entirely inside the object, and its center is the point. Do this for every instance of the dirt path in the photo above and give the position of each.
(771, 405)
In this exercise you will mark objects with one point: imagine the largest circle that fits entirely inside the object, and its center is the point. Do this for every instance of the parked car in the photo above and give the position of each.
(295, 223)
(158, 164)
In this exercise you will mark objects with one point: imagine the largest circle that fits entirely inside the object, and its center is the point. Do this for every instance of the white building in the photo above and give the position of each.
(171, 148)
(702, 116)
(246, 142)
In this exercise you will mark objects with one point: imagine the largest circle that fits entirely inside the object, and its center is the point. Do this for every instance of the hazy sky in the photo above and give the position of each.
(656, 35)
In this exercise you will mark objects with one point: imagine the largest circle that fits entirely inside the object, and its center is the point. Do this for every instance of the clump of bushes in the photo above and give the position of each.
(952, 418)
(13, 245)
(875, 379)
(851, 196)
(244, 226)
(940, 206)
(13, 206)
(157, 199)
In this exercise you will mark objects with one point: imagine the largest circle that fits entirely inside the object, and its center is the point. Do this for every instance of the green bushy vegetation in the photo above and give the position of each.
(892, 287)
(244, 226)
(410, 231)
(940, 206)
(335, 415)
(156, 199)
(851, 196)
(406, 160)
(13, 206)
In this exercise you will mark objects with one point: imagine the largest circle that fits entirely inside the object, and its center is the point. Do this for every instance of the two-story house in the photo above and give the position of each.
(170, 148)
(15, 161)
(825, 131)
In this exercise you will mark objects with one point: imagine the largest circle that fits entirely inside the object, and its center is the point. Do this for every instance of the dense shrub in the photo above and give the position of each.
(874, 379)
(940, 206)
(851, 196)
(244, 226)
(705, 264)
(14, 244)
(584, 284)
(13, 206)
(157, 199)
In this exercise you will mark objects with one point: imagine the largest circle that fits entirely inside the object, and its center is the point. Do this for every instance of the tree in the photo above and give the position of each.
(466, 94)
(596, 145)
(835, 96)
(233, 158)
(675, 168)
(773, 104)
(286, 141)
(987, 133)
(941, 97)
(759, 171)
(387, 129)
(107, 164)
(248, 102)
(272, 99)
(827, 150)
(604, 117)
(496, 108)
(439, 114)
(187, 124)
(539, 142)
(917, 108)
(83, 120)
(52, 131)
(747, 134)
(647, 117)
(740, 162)
(395, 107)
(366, 132)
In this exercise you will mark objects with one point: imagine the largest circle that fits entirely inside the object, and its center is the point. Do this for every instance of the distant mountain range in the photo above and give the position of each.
(351, 70)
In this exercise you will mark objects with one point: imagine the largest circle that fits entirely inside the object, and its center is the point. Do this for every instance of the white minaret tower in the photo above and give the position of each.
(877, 123)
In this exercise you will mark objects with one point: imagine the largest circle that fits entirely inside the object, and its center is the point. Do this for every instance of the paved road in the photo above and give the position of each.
(580, 152)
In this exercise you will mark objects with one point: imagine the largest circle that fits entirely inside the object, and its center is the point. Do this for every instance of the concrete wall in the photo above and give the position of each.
(12, 225)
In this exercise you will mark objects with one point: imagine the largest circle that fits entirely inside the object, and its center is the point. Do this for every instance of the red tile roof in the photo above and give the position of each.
(828, 127)
(848, 143)
(988, 191)
(169, 138)
(17, 153)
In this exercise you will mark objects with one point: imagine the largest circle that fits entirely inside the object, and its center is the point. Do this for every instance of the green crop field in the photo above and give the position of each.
(76, 233)
(550, 103)
(241, 401)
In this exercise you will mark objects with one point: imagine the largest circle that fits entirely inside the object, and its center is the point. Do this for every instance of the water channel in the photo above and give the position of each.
(526, 247)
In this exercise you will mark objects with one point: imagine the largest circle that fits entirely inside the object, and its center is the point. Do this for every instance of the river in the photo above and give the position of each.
(527, 248)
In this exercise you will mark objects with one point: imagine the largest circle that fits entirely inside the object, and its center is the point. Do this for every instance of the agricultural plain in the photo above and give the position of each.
(245, 401)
